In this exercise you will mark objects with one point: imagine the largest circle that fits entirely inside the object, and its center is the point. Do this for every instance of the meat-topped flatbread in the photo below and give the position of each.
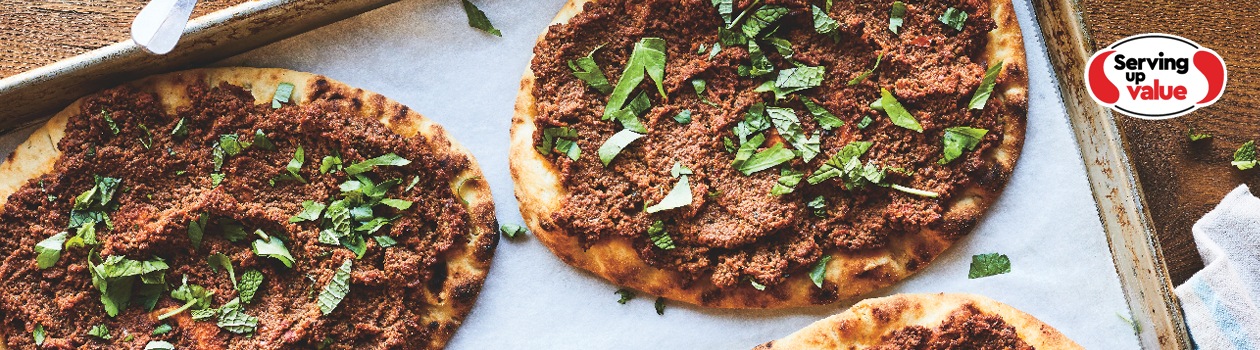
(766, 153)
(240, 208)
(926, 321)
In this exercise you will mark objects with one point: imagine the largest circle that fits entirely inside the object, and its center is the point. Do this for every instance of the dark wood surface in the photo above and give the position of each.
(34, 33)
(1183, 180)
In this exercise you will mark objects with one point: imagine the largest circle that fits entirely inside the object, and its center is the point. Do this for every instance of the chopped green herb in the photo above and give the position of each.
(311, 211)
(293, 168)
(615, 144)
(761, 64)
(795, 79)
(896, 113)
(273, 248)
(233, 319)
(115, 276)
(788, 179)
(477, 19)
(39, 335)
(958, 138)
(100, 331)
(819, 273)
(683, 117)
(146, 140)
(512, 230)
(746, 150)
(823, 23)
(647, 58)
(699, 85)
(194, 297)
(283, 92)
(763, 18)
(587, 70)
(416, 179)
(216, 179)
(1245, 156)
(336, 289)
(819, 205)
(219, 261)
(385, 241)
(390, 159)
(896, 16)
(659, 237)
(251, 280)
(625, 295)
(397, 203)
(821, 115)
(113, 127)
(726, 9)
(713, 52)
(954, 18)
(49, 250)
(864, 75)
(766, 159)
(679, 196)
(1196, 135)
(161, 329)
(159, 345)
(560, 139)
(261, 140)
(985, 265)
(680, 170)
(329, 164)
(986, 86)
(660, 306)
(181, 130)
(836, 166)
(789, 127)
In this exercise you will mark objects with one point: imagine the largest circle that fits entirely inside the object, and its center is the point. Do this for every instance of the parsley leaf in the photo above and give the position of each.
(49, 250)
(986, 87)
(390, 159)
(864, 75)
(477, 19)
(1245, 156)
(512, 230)
(219, 261)
(311, 211)
(100, 331)
(821, 115)
(283, 92)
(896, 16)
(251, 280)
(954, 18)
(336, 289)
(766, 159)
(615, 144)
(958, 138)
(273, 248)
(896, 113)
(683, 117)
(626, 294)
(819, 273)
(647, 58)
(659, 237)
(788, 179)
(587, 70)
(985, 265)
(679, 196)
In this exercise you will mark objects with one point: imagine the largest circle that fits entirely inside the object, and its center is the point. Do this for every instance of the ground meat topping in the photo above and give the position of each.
(734, 230)
(965, 328)
(166, 183)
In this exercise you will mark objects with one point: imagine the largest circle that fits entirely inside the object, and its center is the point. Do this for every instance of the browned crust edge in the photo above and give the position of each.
(866, 323)
(467, 264)
(539, 192)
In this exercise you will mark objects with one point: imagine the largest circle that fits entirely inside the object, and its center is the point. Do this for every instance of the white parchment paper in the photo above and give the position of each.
(423, 54)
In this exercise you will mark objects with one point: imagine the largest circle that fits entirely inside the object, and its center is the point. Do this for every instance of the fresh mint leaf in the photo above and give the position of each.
(251, 280)
(762, 19)
(235, 320)
(680, 170)
(161, 329)
(399, 204)
(560, 139)
(115, 276)
(146, 140)
(194, 297)
(273, 248)
(986, 87)
(954, 18)
(865, 122)
(957, 139)
(821, 115)
(219, 261)
(788, 179)
(896, 113)
(896, 16)
(796, 79)
(615, 144)
(818, 205)
(818, 273)
(197, 229)
(823, 23)
(985, 265)
(587, 70)
(700, 85)
(835, 166)
(647, 58)
(390, 159)
(761, 64)
(159, 345)
(181, 129)
(100, 331)
(746, 150)
(261, 140)
(39, 334)
(866, 74)
(766, 159)
(336, 289)
(385, 241)
(284, 91)
(789, 127)
(683, 117)
(659, 237)
(109, 121)
(726, 9)
(679, 196)
(329, 164)
(477, 19)
(311, 211)
(49, 250)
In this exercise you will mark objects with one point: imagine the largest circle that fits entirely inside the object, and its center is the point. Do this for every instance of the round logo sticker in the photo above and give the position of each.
(1155, 76)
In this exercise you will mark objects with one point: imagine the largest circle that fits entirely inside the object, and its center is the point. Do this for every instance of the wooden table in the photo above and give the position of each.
(1182, 179)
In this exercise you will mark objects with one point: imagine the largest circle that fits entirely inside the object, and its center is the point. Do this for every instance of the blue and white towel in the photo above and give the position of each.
(1220, 302)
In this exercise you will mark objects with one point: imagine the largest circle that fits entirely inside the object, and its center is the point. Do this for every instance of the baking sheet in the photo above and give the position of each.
(423, 54)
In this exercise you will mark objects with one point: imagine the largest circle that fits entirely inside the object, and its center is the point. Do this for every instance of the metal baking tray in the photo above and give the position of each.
(31, 96)
(1117, 192)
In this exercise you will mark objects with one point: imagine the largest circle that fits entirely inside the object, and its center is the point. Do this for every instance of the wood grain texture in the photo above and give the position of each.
(34, 33)
(1183, 180)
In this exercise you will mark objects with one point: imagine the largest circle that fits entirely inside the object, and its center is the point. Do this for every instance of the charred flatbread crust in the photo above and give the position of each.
(541, 194)
(868, 322)
(466, 265)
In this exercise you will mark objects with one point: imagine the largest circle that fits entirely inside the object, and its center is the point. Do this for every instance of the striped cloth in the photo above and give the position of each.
(1220, 302)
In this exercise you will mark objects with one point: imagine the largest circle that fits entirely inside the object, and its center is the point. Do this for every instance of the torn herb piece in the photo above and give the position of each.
(219, 261)
(796, 79)
(755, 285)
(251, 280)
(746, 150)
(39, 334)
(261, 140)
(615, 144)
(896, 113)
(311, 211)
(985, 265)
(766, 159)
(788, 179)
(954, 18)
(390, 159)
(385, 241)
(647, 58)
(660, 306)
(864, 75)
(679, 196)
(823, 23)
(159, 345)
(761, 65)
(821, 115)
(284, 91)
(896, 16)
(1245, 156)
(680, 170)
(100, 331)
(865, 122)
(818, 205)
(763, 18)
(49, 250)
(336, 289)
(1196, 135)
(109, 121)
(699, 85)
(512, 230)
(329, 164)
(477, 19)
(147, 139)
(588, 71)
(725, 9)
(161, 329)
(625, 294)
(835, 166)
(683, 117)
(818, 273)
(659, 237)
(957, 139)
(986, 87)
(294, 167)
(273, 248)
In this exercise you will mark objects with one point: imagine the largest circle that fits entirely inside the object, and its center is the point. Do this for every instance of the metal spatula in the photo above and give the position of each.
(160, 24)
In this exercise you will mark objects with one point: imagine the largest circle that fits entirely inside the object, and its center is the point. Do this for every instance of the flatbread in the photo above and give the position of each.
(466, 265)
(867, 323)
(541, 194)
